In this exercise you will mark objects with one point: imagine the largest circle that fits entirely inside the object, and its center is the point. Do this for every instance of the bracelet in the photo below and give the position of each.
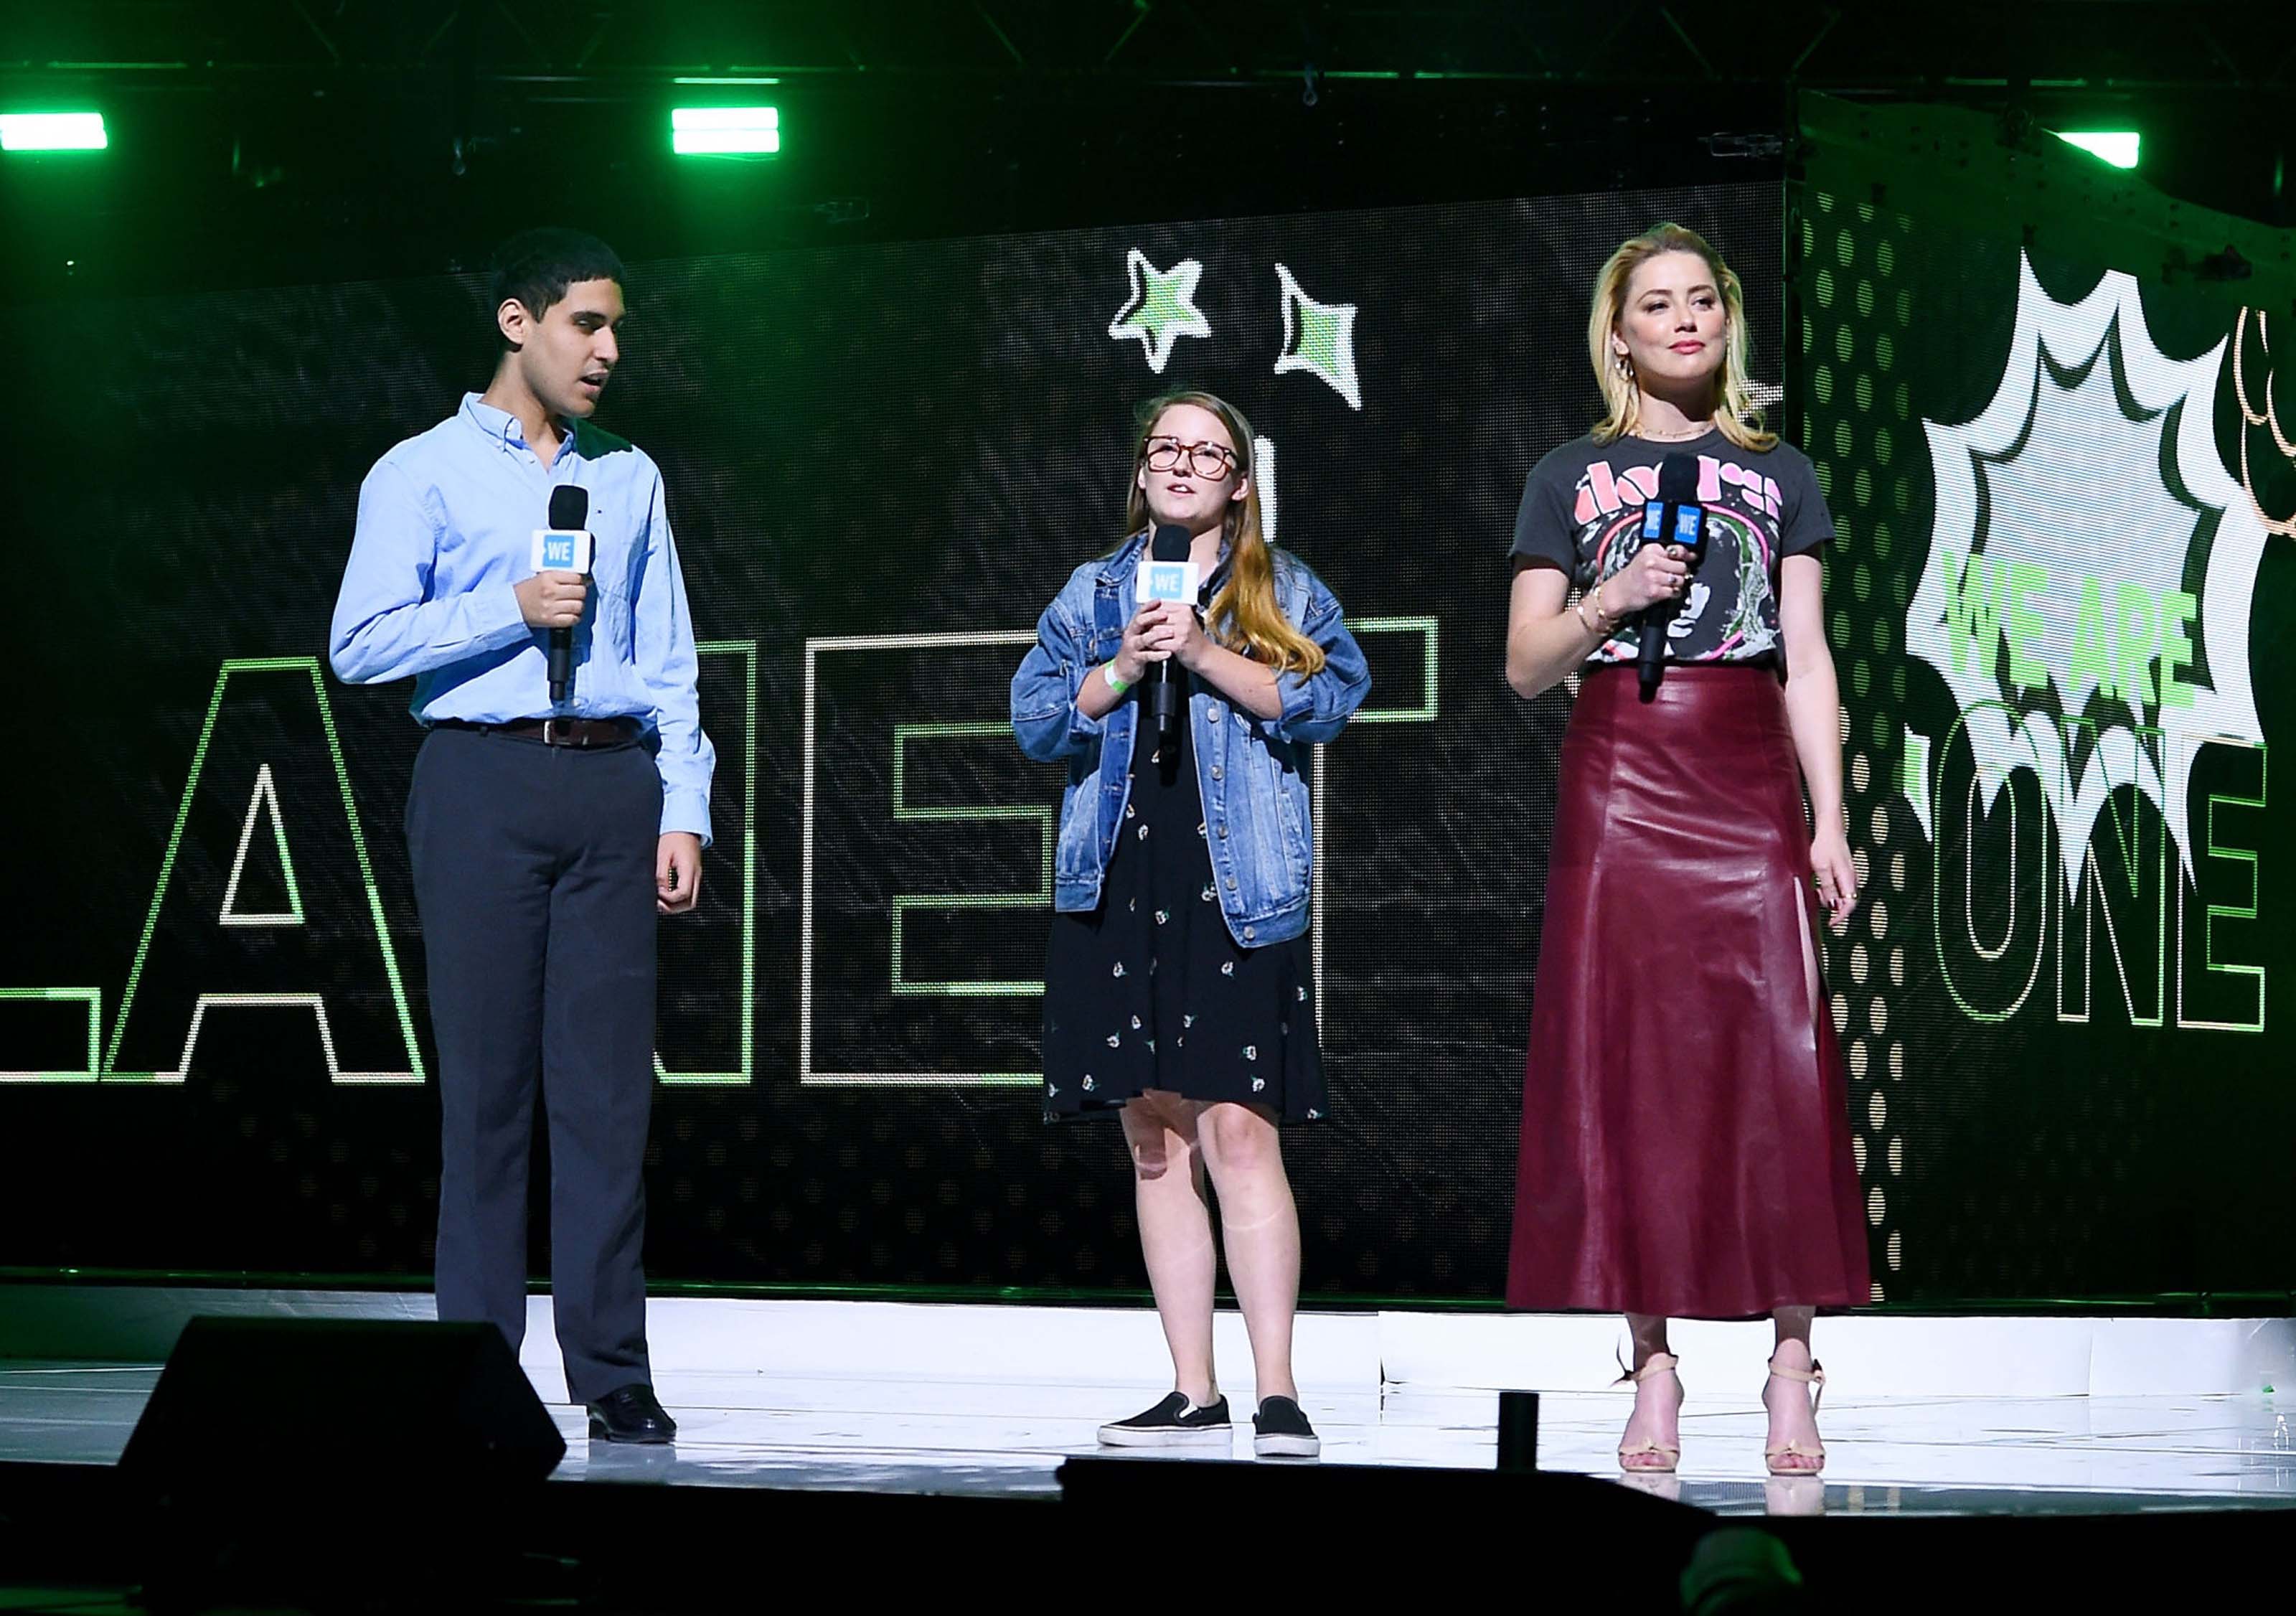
(1116, 687)
(1600, 627)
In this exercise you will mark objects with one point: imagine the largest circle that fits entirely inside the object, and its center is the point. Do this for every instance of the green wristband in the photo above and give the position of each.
(1116, 687)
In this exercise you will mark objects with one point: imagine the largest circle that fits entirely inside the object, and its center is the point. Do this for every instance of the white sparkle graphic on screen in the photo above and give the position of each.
(1320, 339)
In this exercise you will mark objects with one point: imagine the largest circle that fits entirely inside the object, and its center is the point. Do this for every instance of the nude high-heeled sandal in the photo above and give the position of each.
(1652, 1458)
(1814, 1376)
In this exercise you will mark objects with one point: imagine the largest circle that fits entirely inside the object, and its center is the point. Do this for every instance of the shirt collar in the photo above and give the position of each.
(505, 429)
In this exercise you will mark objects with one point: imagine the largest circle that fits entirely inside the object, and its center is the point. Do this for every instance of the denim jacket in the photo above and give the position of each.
(1248, 768)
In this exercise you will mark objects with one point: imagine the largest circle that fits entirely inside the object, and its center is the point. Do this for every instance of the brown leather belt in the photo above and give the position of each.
(559, 732)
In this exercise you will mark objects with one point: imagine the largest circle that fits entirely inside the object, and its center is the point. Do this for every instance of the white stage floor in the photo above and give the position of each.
(1902, 1454)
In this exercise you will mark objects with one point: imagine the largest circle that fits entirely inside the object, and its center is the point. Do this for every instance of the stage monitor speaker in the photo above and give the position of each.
(321, 1459)
(357, 1404)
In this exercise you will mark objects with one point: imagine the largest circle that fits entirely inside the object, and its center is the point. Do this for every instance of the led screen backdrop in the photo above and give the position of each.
(2060, 614)
(881, 462)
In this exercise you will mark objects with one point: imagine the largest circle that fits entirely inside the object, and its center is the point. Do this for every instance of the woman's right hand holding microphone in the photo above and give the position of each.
(1145, 641)
(1658, 572)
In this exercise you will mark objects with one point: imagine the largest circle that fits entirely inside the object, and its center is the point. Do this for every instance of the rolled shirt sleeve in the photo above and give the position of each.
(1317, 706)
(1046, 720)
(387, 625)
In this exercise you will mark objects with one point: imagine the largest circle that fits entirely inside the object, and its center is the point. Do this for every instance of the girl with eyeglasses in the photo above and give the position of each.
(1686, 1145)
(1179, 991)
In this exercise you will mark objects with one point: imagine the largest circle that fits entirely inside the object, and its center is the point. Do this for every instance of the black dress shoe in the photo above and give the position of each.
(631, 1415)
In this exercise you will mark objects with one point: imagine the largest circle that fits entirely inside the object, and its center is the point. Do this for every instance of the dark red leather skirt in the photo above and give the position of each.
(1686, 1127)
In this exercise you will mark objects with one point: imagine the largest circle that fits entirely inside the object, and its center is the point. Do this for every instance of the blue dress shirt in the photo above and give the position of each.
(445, 530)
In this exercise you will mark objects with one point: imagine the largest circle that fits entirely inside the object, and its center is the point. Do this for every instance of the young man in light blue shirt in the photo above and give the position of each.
(545, 836)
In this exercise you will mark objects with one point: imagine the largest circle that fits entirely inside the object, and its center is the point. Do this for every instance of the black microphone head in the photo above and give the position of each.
(1678, 497)
(1172, 543)
(570, 506)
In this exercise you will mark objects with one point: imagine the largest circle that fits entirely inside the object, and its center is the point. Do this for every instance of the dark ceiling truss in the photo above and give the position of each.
(612, 48)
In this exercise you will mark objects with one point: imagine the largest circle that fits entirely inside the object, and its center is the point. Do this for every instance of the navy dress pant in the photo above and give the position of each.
(534, 876)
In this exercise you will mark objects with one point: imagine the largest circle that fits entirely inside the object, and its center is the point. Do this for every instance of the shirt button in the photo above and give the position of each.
(1231, 883)
(1215, 772)
(1215, 715)
(1249, 933)
(1223, 833)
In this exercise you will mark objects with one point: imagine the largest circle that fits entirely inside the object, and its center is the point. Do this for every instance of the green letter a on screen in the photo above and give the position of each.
(266, 905)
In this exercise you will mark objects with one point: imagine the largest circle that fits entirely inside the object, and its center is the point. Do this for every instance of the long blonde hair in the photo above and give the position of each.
(1244, 615)
(1735, 413)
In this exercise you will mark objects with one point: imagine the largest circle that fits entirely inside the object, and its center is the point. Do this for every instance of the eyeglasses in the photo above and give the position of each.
(1207, 460)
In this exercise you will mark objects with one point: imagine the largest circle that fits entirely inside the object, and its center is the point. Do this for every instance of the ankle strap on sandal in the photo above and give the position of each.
(1658, 1363)
(1814, 1375)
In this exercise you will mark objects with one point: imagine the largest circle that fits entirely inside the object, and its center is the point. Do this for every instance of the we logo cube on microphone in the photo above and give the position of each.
(1689, 527)
(1160, 580)
(561, 550)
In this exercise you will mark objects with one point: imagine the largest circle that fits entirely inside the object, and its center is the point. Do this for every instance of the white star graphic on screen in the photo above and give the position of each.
(1320, 339)
(2053, 512)
(1161, 308)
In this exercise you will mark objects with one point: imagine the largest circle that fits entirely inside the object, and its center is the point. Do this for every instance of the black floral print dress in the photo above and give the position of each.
(1151, 990)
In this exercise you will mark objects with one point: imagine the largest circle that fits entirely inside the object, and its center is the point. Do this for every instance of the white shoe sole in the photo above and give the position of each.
(1287, 1447)
(1126, 1436)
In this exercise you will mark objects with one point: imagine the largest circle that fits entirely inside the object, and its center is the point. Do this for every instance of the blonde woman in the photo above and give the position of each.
(1685, 1138)
(1179, 993)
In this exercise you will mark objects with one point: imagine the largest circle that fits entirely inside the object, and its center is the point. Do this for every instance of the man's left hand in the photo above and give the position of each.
(676, 871)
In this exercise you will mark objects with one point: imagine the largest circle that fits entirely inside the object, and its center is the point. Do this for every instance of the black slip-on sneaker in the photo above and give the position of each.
(1174, 1422)
(1280, 1431)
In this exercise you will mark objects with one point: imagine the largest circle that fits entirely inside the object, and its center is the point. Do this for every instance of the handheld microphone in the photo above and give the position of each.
(563, 546)
(1674, 518)
(1167, 574)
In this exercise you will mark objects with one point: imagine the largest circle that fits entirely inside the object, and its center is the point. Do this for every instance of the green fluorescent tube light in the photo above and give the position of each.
(2116, 146)
(719, 131)
(51, 132)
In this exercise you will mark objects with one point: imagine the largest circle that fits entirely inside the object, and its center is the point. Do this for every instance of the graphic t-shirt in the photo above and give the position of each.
(1582, 513)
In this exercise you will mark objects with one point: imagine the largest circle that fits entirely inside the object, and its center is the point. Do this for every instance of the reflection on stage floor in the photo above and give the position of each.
(1887, 1456)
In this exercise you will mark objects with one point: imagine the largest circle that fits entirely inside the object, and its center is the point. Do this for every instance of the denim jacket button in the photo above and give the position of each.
(1224, 833)
(1215, 772)
(1231, 883)
(1215, 715)
(1249, 933)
